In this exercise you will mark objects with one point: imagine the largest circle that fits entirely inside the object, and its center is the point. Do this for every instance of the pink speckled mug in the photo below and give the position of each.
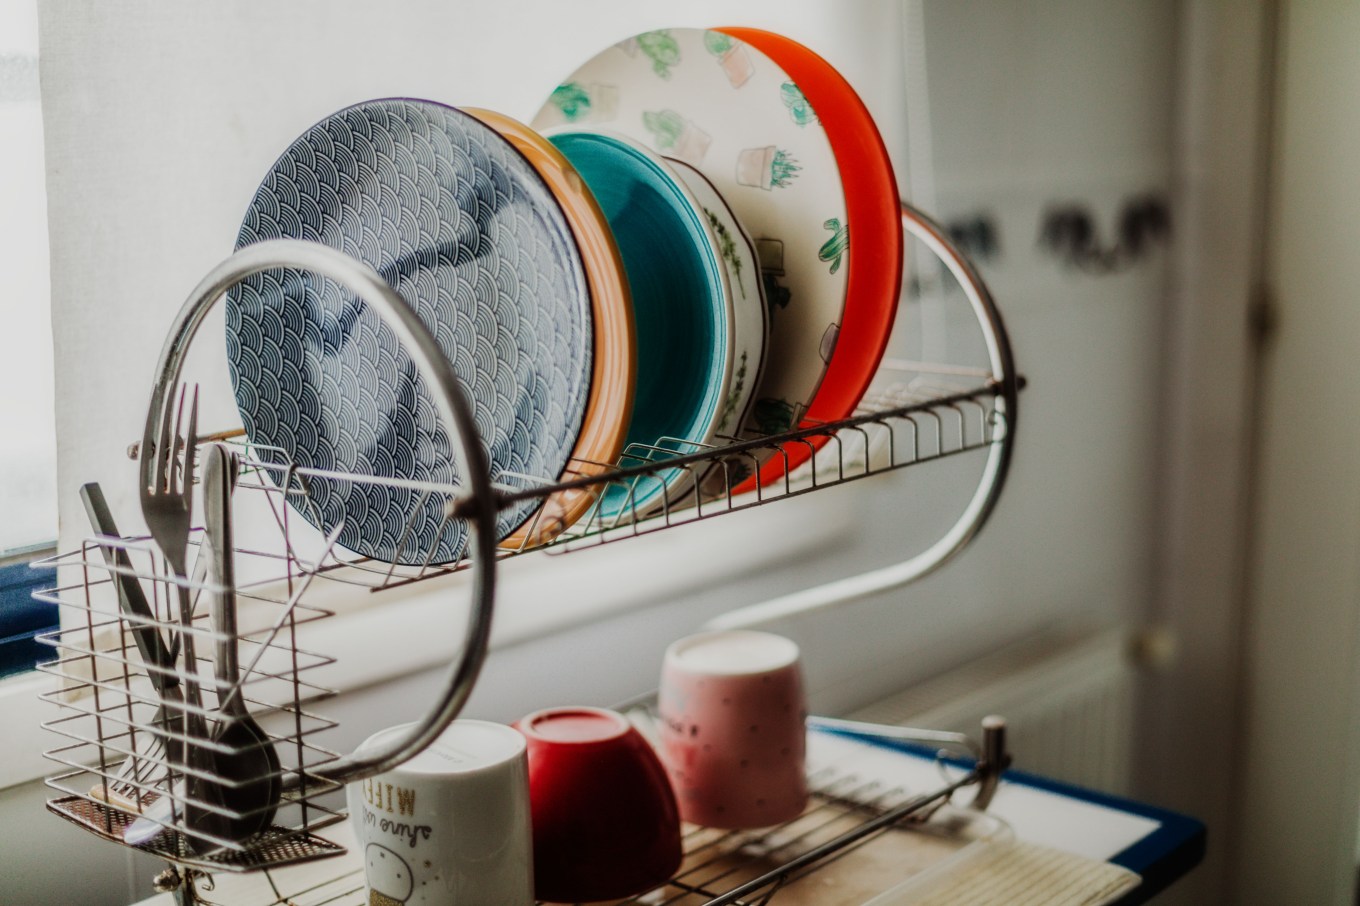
(732, 728)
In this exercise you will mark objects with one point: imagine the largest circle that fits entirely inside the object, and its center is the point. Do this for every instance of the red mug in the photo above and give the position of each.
(605, 821)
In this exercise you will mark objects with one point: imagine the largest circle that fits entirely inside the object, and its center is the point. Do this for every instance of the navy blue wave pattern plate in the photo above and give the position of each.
(465, 230)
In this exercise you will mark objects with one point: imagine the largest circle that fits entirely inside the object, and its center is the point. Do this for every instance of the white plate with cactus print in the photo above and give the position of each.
(726, 109)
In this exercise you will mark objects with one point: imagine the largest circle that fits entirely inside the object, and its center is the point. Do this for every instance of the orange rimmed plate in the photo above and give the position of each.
(609, 406)
(871, 243)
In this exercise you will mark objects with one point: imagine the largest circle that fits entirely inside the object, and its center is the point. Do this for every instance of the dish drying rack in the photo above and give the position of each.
(114, 763)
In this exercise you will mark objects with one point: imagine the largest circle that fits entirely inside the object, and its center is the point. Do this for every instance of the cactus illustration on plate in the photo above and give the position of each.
(766, 168)
(827, 347)
(774, 416)
(727, 247)
(798, 105)
(677, 136)
(717, 43)
(783, 169)
(834, 248)
(776, 294)
(666, 127)
(732, 57)
(572, 100)
(575, 102)
(770, 254)
(662, 49)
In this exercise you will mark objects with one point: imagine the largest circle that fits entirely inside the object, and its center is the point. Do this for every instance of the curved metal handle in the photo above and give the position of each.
(994, 471)
(477, 506)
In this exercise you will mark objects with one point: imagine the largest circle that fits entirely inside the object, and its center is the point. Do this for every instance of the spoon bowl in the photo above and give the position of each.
(244, 759)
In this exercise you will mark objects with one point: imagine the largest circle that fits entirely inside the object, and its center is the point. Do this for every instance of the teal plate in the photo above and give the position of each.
(676, 280)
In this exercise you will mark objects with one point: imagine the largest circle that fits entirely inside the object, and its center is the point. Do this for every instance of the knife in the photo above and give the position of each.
(159, 659)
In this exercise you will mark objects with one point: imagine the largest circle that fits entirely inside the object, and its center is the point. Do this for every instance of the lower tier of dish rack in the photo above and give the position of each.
(859, 837)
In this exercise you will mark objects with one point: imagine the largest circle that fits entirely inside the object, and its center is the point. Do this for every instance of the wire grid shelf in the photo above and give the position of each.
(857, 830)
(914, 415)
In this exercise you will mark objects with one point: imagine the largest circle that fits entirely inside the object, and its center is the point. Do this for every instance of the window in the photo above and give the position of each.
(28, 496)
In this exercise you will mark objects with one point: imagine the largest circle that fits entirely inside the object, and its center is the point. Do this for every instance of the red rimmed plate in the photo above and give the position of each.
(874, 256)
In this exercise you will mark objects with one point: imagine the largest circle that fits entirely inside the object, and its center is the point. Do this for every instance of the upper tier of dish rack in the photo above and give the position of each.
(914, 414)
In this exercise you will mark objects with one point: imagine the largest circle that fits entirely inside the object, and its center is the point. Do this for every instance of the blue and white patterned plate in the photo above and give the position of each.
(467, 232)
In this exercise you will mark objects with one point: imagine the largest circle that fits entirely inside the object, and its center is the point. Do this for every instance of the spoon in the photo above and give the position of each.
(245, 760)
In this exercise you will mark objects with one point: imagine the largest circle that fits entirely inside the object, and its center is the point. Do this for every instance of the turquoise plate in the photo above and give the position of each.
(676, 280)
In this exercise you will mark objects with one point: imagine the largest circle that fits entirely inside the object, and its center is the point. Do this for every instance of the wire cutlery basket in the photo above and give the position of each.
(118, 752)
(126, 771)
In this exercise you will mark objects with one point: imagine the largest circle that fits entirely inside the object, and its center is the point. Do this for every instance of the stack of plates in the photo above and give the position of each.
(659, 265)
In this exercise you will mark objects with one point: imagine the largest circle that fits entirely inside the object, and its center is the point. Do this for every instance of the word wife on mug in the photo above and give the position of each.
(379, 799)
(451, 825)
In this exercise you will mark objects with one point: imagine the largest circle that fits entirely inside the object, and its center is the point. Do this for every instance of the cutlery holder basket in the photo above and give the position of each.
(118, 739)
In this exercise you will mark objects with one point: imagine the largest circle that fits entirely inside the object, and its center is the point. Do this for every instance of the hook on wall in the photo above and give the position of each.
(976, 235)
(1068, 231)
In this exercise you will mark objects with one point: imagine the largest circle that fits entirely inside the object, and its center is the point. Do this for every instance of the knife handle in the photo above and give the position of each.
(130, 594)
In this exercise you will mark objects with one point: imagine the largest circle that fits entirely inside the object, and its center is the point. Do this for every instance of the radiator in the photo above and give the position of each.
(1068, 702)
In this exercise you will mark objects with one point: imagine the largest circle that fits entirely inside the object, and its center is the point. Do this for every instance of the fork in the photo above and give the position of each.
(167, 506)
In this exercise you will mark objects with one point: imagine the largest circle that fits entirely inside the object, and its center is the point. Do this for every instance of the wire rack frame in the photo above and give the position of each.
(904, 427)
(914, 414)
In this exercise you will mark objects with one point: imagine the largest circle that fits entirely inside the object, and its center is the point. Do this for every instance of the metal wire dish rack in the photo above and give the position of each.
(126, 741)
(864, 837)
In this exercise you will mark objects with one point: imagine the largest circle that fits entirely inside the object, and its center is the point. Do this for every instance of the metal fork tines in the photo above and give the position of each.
(167, 502)
(167, 506)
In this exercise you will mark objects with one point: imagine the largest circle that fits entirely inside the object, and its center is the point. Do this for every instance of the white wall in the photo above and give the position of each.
(1190, 725)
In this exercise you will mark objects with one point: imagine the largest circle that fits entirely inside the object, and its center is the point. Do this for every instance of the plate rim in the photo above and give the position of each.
(873, 206)
(609, 406)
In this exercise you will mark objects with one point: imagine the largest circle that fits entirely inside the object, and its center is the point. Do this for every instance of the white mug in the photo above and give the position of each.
(451, 825)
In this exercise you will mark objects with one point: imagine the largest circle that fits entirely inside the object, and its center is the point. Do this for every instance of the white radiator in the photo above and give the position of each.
(1068, 702)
